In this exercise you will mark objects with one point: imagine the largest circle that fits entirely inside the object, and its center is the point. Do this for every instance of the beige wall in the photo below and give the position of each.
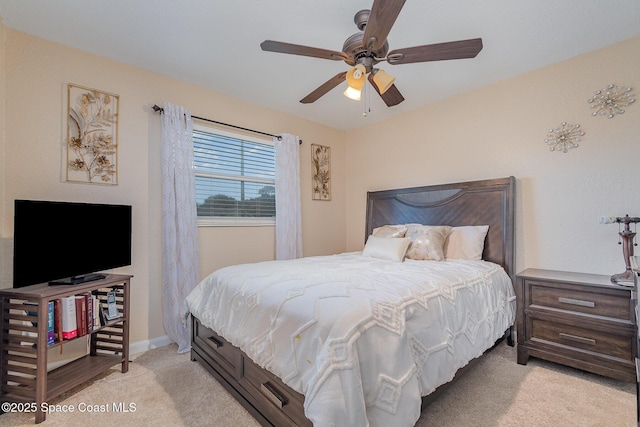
(492, 132)
(35, 73)
(499, 130)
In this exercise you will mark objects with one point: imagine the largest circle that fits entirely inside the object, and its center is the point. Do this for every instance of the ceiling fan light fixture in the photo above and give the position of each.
(352, 93)
(383, 80)
(356, 77)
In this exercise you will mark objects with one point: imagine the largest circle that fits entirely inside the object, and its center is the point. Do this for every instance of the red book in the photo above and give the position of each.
(69, 328)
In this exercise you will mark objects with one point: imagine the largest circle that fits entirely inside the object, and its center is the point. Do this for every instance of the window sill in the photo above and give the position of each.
(236, 222)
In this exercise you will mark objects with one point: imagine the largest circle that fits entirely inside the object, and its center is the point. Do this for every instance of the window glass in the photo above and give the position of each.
(235, 178)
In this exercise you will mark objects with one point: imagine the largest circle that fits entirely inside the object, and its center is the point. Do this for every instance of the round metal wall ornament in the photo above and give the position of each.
(564, 137)
(610, 100)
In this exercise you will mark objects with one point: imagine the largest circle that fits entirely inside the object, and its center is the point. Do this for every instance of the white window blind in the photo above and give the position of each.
(235, 178)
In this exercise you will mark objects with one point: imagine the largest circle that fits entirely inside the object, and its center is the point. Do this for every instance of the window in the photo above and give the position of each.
(235, 178)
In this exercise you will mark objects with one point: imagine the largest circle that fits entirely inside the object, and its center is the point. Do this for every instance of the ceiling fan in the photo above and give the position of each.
(368, 47)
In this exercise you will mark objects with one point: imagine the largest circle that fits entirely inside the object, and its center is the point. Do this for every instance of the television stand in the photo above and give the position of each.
(76, 280)
(24, 343)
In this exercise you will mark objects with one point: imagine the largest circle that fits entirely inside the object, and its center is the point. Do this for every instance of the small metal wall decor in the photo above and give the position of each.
(610, 100)
(321, 172)
(564, 137)
(92, 136)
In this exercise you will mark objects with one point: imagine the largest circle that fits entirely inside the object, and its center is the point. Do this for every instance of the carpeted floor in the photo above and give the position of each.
(163, 388)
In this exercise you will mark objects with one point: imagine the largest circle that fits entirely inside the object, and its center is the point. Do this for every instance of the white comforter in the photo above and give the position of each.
(363, 339)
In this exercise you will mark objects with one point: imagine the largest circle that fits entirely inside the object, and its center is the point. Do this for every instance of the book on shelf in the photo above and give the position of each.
(89, 303)
(96, 311)
(81, 315)
(69, 328)
(74, 316)
(57, 320)
(50, 323)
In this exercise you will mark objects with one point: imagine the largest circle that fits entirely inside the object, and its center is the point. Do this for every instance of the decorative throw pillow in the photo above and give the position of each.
(386, 248)
(427, 241)
(466, 242)
(390, 231)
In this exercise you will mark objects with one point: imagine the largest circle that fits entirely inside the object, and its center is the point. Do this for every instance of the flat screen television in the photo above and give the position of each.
(68, 243)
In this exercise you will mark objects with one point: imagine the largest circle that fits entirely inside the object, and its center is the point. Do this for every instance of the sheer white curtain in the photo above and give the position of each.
(288, 207)
(180, 270)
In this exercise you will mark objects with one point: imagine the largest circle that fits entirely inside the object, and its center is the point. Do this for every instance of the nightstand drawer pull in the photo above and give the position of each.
(577, 302)
(575, 338)
(272, 393)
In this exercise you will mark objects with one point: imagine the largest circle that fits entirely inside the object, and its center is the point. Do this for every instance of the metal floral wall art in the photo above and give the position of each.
(321, 170)
(564, 137)
(92, 136)
(610, 100)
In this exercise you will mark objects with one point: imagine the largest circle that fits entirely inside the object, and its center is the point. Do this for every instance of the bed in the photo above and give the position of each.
(358, 338)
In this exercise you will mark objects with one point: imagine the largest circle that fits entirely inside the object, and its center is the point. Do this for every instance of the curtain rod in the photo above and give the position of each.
(161, 110)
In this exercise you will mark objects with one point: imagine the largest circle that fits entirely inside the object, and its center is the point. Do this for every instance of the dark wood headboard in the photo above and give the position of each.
(488, 202)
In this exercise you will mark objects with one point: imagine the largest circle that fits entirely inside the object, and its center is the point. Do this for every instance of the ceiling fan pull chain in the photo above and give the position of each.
(367, 100)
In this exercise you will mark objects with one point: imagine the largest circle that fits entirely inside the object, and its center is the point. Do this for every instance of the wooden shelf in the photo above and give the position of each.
(77, 372)
(23, 354)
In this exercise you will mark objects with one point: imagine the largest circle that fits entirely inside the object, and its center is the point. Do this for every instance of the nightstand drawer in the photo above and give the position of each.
(615, 305)
(618, 345)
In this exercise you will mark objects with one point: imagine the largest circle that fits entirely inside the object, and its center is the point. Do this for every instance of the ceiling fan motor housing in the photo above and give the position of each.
(359, 55)
(353, 46)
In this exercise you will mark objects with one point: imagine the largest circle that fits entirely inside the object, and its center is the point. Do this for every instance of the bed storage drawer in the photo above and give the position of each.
(264, 395)
(282, 398)
(216, 347)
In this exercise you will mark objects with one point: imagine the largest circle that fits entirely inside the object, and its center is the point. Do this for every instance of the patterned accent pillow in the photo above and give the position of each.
(390, 231)
(427, 241)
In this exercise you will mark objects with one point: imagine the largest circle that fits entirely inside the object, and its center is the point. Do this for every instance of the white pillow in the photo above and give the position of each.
(390, 231)
(466, 242)
(391, 249)
(427, 241)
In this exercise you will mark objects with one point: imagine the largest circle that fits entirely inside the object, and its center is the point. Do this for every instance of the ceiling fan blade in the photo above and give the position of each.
(324, 88)
(436, 52)
(296, 49)
(381, 18)
(391, 97)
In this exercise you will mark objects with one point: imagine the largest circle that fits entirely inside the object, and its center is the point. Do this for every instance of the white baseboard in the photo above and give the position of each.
(140, 346)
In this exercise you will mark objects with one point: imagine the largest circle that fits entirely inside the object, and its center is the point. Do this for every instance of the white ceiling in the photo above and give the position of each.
(215, 44)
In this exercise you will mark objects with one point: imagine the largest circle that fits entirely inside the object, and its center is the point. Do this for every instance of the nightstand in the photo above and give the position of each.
(576, 319)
